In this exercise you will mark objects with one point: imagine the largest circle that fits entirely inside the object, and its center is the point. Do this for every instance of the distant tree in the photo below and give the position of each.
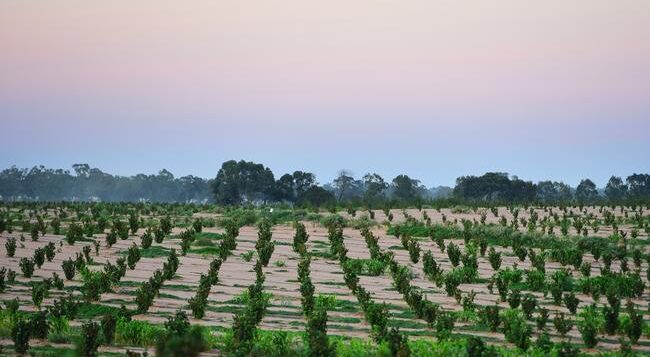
(242, 181)
(375, 187)
(638, 186)
(586, 191)
(405, 188)
(316, 196)
(616, 189)
(284, 189)
(552, 192)
(494, 186)
(302, 181)
(342, 183)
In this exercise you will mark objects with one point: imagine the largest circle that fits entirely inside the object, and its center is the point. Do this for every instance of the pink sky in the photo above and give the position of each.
(74, 73)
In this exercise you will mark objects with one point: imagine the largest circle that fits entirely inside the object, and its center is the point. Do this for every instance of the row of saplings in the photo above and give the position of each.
(199, 302)
(375, 314)
(591, 322)
(178, 338)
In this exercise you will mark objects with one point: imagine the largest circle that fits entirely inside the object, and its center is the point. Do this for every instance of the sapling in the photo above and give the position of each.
(39, 257)
(571, 302)
(542, 318)
(90, 337)
(20, 333)
(108, 324)
(69, 268)
(515, 329)
(133, 256)
(528, 305)
(146, 239)
(27, 267)
(10, 246)
(494, 258)
(589, 325)
(562, 324)
(50, 251)
(414, 251)
(492, 317)
(111, 238)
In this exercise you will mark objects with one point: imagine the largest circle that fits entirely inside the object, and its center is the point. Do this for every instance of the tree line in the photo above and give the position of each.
(245, 182)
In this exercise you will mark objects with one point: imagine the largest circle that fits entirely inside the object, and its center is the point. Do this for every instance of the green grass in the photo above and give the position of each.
(155, 252)
(89, 311)
(205, 251)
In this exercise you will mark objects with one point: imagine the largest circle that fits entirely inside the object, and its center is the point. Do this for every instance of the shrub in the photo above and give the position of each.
(414, 250)
(197, 225)
(319, 344)
(166, 225)
(444, 325)
(454, 254)
(452, 280)
(521, 253)
(515, 329)
(146, 239)
(301, 237)
(69, 268)
(589, 325)
(397, 342)
(495, 259)
(59, 329)
(38, 293)
(74, 233)
(430, 266)
(585, 269)
(491, 317)
(3, 285)
(39, 257)
(34, 233)
(528, 305)
(134, 223)
(111, 238)
(144, 297)
(20, 335)
(50, 251)
(40, 324)
(56, 225)
(133, 256)
(611, 319)
(122, 229)
(190, 343)
(562, 324)
(27, 267)
(108, 328)
(571, 302)
(544, 343)
(542, 318)
(95, 283)
(634, 327)
(535, 280)
(514, 299)
(475, 347)
(170, 267)
(10, 246)
(89, 341)
(66, 307)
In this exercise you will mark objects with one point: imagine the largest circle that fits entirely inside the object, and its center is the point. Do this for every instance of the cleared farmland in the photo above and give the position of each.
(580, 251)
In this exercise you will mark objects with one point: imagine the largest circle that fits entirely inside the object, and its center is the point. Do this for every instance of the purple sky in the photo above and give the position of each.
(435, 89)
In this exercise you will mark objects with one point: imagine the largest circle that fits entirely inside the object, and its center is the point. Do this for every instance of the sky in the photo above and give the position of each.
(432, 88)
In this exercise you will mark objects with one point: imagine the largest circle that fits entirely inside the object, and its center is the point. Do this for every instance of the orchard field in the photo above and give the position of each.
(157, 279)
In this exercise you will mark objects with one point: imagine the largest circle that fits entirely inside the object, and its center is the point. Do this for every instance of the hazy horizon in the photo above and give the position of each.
(433, 89)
